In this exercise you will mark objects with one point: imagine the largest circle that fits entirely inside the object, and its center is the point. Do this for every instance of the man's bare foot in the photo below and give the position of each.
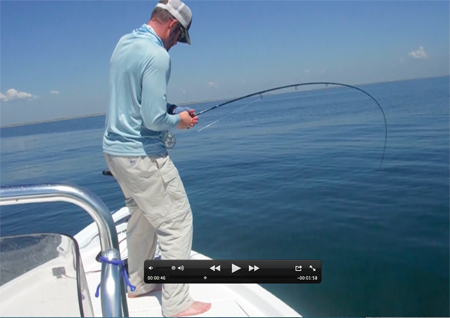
(196, 308)
(157, 288)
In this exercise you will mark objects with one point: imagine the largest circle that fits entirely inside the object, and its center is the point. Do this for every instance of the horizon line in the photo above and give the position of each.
(199, 102)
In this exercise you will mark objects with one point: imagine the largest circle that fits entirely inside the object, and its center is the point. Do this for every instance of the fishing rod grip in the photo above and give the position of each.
(107, 173)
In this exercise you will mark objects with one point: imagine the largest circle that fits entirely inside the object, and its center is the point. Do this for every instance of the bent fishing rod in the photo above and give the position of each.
(108, 173)
(296, 87)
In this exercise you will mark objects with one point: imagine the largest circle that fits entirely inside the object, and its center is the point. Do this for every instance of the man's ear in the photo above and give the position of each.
(172, 23)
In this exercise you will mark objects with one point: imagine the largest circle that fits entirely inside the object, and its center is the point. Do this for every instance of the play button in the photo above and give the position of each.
(234, 268)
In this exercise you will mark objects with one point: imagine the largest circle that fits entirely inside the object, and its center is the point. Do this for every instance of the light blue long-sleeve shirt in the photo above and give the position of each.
(136, 119)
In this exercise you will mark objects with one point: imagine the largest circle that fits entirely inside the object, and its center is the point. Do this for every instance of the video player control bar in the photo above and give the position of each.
(233, 271)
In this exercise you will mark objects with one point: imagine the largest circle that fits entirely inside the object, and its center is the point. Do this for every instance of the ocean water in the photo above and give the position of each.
(292, 176)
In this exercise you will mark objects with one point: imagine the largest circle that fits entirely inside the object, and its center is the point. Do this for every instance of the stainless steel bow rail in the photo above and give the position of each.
(113, 297)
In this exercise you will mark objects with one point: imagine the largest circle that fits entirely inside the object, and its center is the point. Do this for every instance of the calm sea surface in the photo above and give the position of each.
(292, 176)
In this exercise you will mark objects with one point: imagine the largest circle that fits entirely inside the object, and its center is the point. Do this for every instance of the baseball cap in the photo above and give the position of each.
(183, 14)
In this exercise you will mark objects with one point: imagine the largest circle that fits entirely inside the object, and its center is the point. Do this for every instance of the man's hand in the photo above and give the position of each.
(188, 120)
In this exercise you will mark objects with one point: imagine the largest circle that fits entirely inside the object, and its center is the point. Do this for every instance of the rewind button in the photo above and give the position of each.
(215, 268)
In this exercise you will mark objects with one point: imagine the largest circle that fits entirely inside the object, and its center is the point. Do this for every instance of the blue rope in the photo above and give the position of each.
(123, 273)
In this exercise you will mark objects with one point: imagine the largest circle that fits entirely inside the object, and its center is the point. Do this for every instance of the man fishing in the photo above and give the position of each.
(137, 122)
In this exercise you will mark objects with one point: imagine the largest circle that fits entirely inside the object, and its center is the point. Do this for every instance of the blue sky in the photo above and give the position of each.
(55, 54)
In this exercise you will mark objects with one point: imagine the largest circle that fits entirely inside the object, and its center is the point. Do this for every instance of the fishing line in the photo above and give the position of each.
(229, 114)
(296, 88)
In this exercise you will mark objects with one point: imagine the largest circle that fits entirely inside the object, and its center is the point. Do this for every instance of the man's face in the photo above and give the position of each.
(175, 34)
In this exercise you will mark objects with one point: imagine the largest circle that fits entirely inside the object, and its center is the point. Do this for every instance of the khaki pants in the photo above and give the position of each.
(160, 209)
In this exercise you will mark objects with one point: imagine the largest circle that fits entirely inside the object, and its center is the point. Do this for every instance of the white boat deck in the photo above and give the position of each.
(50, 289)
(228, 300)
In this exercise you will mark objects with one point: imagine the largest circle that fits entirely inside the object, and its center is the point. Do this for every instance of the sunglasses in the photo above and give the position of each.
(182, 32)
